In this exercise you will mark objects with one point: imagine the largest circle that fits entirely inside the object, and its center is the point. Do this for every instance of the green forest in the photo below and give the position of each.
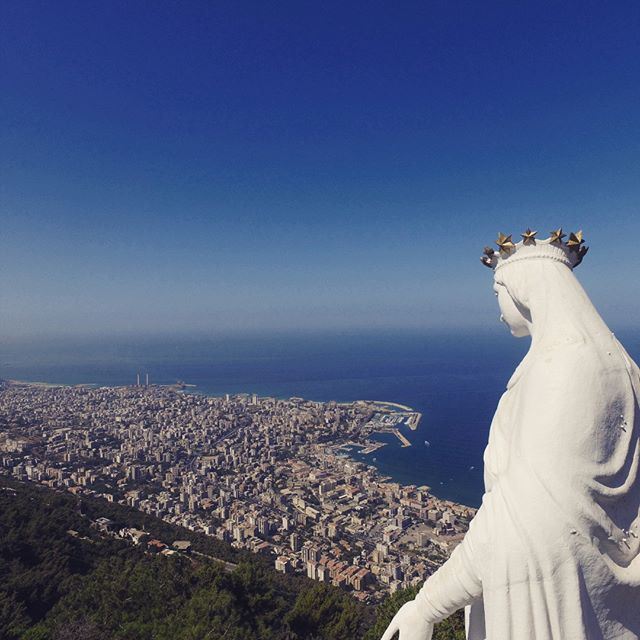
(64, 580)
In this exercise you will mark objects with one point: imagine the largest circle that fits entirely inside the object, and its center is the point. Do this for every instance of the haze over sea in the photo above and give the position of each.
(455, 380)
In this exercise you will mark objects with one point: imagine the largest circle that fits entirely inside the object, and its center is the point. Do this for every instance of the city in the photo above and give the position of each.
(268, 475)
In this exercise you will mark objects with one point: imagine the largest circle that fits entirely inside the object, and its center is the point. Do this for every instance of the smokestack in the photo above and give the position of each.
(147, 379)
(138, 380)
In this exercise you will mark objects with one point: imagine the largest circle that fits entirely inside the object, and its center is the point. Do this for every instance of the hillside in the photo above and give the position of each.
(64, 579)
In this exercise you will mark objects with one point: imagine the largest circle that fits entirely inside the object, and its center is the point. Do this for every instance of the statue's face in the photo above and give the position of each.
(509, 312)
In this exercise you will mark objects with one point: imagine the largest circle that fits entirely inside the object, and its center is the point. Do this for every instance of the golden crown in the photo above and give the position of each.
(570, 252)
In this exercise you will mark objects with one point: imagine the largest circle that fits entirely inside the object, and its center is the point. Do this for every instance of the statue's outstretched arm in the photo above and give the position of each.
(455, 585)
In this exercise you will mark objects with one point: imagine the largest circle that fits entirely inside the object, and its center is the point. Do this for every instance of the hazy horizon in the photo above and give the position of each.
(493, 329)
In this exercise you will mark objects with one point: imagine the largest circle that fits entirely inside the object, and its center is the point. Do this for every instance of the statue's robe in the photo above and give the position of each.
(554, 550)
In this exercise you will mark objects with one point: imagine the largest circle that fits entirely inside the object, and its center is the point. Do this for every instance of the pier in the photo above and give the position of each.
(372, 446)
(403, 440)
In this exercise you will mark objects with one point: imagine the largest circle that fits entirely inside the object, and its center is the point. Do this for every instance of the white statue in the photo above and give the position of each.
(553, 553)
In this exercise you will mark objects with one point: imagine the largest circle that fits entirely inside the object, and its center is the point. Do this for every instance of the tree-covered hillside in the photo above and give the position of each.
(62, 579)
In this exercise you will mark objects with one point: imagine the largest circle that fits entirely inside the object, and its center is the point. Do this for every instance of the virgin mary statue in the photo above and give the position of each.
(553, 553)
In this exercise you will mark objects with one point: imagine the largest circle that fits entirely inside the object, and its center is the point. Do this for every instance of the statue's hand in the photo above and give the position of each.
(410, 623)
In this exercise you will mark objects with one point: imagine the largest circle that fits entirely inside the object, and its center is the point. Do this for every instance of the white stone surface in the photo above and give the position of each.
(554, 551)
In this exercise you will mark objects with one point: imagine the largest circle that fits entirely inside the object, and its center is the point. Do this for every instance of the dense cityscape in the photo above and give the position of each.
(268, 475)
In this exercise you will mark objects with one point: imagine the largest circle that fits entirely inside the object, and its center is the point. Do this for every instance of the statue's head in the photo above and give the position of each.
(525, 272)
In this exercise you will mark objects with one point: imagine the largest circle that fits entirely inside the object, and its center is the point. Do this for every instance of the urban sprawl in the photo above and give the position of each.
(268, 475)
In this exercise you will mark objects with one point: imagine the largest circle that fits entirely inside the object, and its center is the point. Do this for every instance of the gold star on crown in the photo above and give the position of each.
(529, 237)
(556, 236)
(575, 240)
(505, 243)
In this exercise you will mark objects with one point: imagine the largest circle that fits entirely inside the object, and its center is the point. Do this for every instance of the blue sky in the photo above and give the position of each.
(217, 166)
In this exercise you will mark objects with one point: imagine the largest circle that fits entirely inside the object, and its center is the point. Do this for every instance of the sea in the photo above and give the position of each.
(453, 378)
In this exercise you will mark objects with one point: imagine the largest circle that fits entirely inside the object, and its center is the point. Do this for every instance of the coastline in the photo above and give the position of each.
(440, 463)
(412, 420)
(366, 447)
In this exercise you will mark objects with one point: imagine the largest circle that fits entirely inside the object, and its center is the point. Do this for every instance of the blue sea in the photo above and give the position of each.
(455, 380)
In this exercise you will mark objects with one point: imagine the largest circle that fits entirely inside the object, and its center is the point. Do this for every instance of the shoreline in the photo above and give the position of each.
(365, 448)
(412, 421)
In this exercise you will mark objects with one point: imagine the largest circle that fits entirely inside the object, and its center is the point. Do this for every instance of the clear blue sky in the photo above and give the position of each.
(207, 166)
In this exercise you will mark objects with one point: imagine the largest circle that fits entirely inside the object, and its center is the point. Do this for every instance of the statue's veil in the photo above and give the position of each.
(564, 452)
(558, 306)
